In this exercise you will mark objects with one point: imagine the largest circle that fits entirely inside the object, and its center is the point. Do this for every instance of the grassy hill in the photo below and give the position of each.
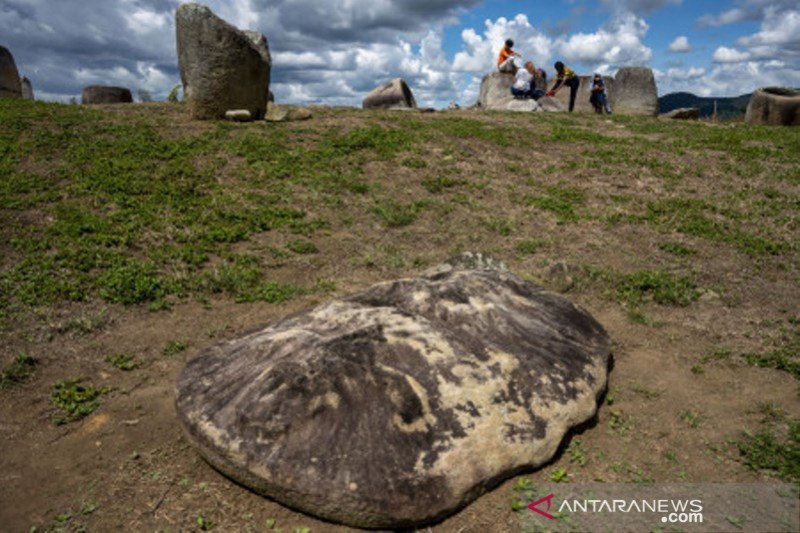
(131, 237)
(727, 108)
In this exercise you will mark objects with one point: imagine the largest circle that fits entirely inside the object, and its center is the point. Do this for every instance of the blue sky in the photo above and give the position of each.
(334, 51)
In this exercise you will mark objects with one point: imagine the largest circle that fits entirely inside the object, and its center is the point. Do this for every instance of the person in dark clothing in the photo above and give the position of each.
(566, 76)
(599, 99)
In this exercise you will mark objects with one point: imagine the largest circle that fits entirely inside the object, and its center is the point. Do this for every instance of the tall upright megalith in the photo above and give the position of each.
(10, 86)
(634, 92)
(221, 67)
(27, 88)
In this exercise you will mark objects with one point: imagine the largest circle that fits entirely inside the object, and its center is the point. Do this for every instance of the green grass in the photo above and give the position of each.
(560, 200)
(396, 214)
(17, 371)
(75, 399)
(528, 247)
(677, 249)
(659, 286)
(767, 450)
(440, 184)
(302, 247)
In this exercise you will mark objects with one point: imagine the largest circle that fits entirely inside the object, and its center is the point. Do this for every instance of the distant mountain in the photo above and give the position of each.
(726, 107)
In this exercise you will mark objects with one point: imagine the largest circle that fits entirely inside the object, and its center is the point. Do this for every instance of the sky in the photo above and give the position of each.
(335, 51)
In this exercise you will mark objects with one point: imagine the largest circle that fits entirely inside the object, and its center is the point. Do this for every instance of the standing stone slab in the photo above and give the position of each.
(774, 106)
(634, 92)
(10, 86)
(27, 88)
(221, 67)
(393, 94)
(101, 94)
(397, 406)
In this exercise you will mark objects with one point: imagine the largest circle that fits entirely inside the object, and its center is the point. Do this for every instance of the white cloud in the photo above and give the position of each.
(724, 54)
(680, 45)
(617, 45)
(479, 54)
(726, 17)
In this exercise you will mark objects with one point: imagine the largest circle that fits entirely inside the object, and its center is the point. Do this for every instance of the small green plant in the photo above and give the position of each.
(302, 247)
(559, 475)
(577, 454)
(618, 423)
(75, 399)
(204, 523)
(693, 419)
(174, 348)
(17, 371)
(671, 456)
(647, 393)
(270, 523)
(123, 361)
(173, 97)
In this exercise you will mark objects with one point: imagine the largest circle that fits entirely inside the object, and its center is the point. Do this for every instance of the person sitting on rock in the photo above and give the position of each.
(525, 83)
(599, 99)
(505, 62)
(566, 76)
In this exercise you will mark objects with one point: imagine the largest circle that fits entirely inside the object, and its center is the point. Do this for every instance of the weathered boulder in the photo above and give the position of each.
(774, 106)
(10, 86)
(582, 104)
(495, 93)
(101, 94)
(527, 105)
(221, 67)
(396, 406)
(552, 105)
(634, 92)
(283, 113)
(27, 88)
(683, 113)
(393, 94)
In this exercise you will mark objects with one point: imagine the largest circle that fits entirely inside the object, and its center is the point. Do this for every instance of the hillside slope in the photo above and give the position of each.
(132, 237)
(726, 107)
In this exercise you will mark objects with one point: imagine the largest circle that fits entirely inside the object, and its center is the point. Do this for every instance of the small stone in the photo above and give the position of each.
(238, 115)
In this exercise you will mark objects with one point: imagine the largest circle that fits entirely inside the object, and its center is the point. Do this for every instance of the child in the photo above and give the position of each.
(599, 100)
(566, 76)
(505, 62)
(525, 83)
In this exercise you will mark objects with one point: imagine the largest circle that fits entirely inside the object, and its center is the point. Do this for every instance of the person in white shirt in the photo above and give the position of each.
(525, 83)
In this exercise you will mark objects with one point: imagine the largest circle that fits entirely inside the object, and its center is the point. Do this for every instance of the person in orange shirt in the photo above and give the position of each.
(505, 63)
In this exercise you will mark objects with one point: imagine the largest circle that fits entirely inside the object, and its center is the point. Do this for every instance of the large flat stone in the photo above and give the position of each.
(397, 406)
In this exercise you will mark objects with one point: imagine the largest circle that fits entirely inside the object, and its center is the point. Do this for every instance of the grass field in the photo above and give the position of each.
(131, 237)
